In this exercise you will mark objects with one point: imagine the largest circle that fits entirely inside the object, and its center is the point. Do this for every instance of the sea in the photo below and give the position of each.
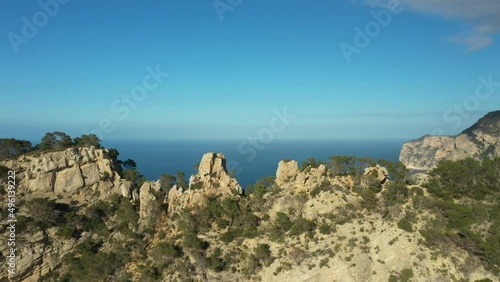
(249, 161)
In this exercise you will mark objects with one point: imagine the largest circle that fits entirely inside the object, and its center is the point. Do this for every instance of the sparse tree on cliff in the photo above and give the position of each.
(88, 140)
(10, 147)
(129, 164)
(130, 172)
(55, 141)
(167, 181)
(134, 176)
(343, 164)
(181, 179)
(397, 170)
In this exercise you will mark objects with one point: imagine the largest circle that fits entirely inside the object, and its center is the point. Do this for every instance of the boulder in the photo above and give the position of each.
(68, 180)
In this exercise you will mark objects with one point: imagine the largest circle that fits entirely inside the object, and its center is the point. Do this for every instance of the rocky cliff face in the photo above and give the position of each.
(149, 202)
(482, 140)
(83, 174)
(37, 257)
(212, 179)
(289, 176)
(76, 175)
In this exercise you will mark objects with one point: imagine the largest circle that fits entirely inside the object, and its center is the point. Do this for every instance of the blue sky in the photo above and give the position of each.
(229, 72)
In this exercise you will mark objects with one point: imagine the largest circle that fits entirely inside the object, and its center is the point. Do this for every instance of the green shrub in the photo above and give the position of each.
(406, 275)
(465, 178)
(282, 221)
(196, 186)
(325, 228)
(105, 176)
(369, 196)
(215, 261)
(324, 186)
(261, 187)
(193, 243)
(93, 265)
(95, 216)
(324, 262)
(393, 278)
(227, 237)
(405, 225)
(263, 254)
(395, 193)
(310, 162)
(302, 225)
(164, 253)
(4, 171)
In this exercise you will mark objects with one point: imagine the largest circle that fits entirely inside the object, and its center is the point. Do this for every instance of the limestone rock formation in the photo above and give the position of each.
(37, 258)
(481, 140)
(149, 203)
(179, 198)
(289, 176)
(287, 171)
(212, 179)
(83, 174)
(380, 173)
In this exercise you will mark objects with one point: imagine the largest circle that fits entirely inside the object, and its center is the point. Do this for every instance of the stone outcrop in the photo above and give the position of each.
(480, 141)
(149, 203)
(287, 171)
(83, 174)
(179, 198)
(37, 258)
(380, 173)
(212, 179)
(289, 176)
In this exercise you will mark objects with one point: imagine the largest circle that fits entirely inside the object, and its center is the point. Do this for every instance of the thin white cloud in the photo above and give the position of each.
(472, 42)
(482, 15)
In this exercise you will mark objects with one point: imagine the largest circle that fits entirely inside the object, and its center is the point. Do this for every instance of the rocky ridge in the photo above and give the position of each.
(359, 245)
(480, 141)
(84, 174)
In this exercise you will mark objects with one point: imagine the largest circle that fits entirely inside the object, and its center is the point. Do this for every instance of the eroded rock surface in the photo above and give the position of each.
(212, 179)
(480, 141)
(83, 174)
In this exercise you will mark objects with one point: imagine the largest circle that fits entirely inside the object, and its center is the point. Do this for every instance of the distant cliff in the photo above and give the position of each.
(480, 141)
